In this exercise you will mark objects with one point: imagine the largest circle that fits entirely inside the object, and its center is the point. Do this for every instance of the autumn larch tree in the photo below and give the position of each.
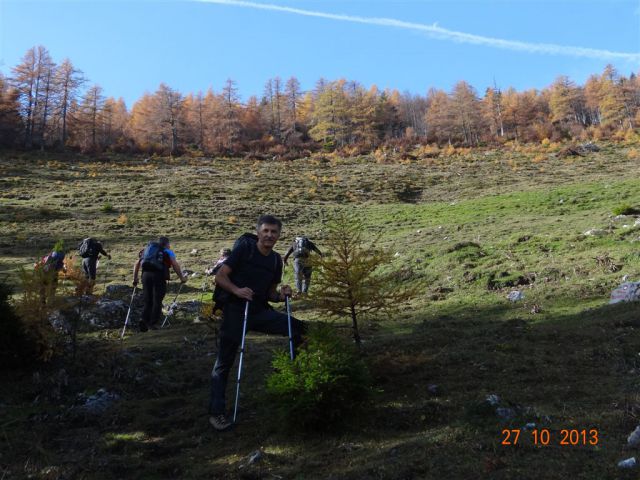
(68, 80)
(10, 121)
(230, 116)
(440, 116)
(351, 282)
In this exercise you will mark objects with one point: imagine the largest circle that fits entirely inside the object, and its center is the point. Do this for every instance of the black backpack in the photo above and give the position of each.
(153, 258)
(245, 239)
(88, 248)
(220, 295)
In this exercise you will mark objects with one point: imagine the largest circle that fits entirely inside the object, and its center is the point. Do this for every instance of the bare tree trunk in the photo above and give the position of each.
(201, 126)
(354, 320)
(45, 111)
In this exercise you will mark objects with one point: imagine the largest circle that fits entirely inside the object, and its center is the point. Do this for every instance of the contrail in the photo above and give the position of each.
(444, 34)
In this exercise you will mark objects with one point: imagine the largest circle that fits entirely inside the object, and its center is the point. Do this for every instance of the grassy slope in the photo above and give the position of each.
(572, 365)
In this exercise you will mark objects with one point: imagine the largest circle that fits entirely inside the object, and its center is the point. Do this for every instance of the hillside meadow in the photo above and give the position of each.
(465, 228)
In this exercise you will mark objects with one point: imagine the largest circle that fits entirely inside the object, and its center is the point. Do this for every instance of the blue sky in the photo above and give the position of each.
(129, 47)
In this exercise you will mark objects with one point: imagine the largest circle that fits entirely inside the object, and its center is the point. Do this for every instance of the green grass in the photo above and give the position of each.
(466, 231)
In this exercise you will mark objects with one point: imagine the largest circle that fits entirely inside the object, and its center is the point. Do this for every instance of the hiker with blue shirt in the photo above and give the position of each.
(154, 261)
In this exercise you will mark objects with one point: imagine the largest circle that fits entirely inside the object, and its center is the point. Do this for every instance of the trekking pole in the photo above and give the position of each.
(202, 290)
(126, 320)
(244, 333)
(172, 307)
(286, 300)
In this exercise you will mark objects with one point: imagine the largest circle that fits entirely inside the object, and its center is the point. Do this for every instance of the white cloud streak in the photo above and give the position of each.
(440, 33)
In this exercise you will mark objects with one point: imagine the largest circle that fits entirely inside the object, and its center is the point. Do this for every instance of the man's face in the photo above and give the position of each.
(268, 234)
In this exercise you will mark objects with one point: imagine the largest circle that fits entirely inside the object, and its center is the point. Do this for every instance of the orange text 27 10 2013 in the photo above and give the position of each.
(565, 437)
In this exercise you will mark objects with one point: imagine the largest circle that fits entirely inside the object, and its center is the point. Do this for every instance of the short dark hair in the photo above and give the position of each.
(163, 241)
(269, 220)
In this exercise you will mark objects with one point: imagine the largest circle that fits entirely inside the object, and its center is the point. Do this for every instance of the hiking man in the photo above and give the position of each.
(251, 274)
(90, 249)
(224, 253)
(48, 268)
(155, 260)
(301, 249)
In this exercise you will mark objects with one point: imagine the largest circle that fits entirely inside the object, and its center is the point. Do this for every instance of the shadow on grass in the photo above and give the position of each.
(427, 421)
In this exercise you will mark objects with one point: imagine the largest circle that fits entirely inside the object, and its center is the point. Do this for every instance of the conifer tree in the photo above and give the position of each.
(439, 116)
(10, 122)
(612, 104)
(229, 131)
(292, 97)
(68, 81)
(563, 101)
(466, 108)
(351, 280)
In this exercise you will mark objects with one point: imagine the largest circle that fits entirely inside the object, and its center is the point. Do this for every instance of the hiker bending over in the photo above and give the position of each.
(213, 269)
(90, 249)
(301, 249)
(48, 268)
(251, 273)
(155, 260)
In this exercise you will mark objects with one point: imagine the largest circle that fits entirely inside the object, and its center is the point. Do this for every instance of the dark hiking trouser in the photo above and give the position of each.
(154, 288)
(90, 266)
(266, 321)
(302, 274)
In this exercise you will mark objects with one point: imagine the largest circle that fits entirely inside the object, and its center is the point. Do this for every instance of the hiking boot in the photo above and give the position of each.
(143, 327)
(153, 326)
(220, 422)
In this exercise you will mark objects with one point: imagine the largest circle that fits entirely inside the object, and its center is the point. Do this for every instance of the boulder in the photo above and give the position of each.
(105, 313)
(589, 147)
(118, 291)
(96, 313)
(515, 295)
(633, 440)
(98, 403)
(191, 306)
(595, 232)
(628, 463)
(59, 321)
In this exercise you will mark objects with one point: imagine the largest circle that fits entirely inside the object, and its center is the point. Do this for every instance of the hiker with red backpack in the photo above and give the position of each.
(301, 249)
(90, 249)
(154, 261)
(48, 268)
(245, 284)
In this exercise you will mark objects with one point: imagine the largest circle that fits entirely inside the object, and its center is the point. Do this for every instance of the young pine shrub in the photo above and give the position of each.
(356, 278)
(327, 383)
(107, 207)
(77, 299)
(37, 302)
